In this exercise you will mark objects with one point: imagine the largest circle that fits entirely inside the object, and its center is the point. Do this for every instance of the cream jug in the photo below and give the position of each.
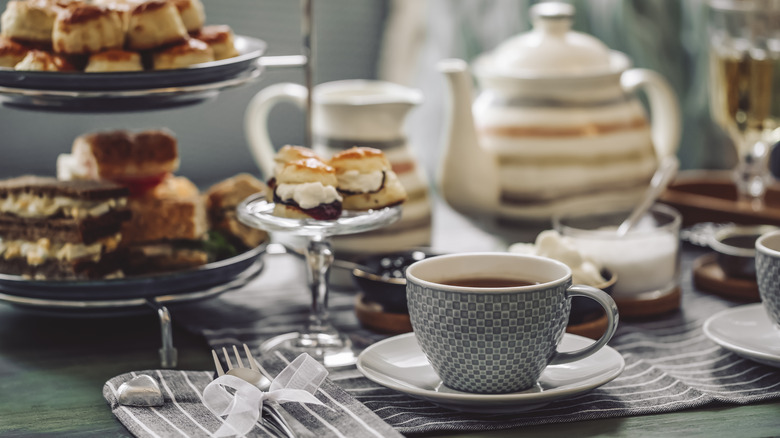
(355, 113)
(557, 123)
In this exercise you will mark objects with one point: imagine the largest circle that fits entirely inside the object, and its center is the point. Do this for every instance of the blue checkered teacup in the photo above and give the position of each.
(492, 322)
(768, 273)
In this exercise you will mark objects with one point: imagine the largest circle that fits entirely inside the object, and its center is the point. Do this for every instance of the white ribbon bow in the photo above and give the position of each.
(296, 383)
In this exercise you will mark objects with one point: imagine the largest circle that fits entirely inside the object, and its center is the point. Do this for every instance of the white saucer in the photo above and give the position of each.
(400, 364)
(747, 331)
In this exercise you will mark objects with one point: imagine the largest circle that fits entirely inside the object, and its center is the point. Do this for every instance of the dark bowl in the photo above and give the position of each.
(735, 247)
(381, 277)
(583, 309)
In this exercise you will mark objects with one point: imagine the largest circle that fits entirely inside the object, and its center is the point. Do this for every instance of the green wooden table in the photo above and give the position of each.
(52, 372)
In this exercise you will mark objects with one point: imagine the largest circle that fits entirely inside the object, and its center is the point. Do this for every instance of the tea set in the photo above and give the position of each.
(556, 133)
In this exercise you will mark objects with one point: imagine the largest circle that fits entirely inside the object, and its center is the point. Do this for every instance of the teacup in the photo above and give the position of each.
(768, 273)
(491, 322)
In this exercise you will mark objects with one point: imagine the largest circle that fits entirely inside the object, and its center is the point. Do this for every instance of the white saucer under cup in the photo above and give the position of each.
(747, 331)
(399, 364)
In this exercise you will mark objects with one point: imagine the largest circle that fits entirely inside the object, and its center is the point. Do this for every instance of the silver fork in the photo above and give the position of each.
(253, 375)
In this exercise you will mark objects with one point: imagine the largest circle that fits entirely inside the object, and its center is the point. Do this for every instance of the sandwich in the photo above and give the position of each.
(168, 228)
(52, 230)
(366, 180)
(169, 221)
(306, 189)
(222, 199)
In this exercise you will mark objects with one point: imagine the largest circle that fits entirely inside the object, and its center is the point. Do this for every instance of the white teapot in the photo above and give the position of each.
(557, 124)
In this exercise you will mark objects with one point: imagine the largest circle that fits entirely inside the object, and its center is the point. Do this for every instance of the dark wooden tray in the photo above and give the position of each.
(711, 196)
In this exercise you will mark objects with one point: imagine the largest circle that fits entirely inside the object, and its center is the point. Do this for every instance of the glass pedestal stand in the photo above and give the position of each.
(319, 338)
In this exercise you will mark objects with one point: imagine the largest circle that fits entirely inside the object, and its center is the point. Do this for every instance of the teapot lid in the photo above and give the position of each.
(551, 48)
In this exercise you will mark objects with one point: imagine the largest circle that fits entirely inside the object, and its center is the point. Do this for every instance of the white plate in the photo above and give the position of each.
(399, 363)
(747, 331)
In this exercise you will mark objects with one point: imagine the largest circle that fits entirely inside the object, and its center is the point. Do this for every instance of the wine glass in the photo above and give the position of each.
(744, 86)
(319, 338)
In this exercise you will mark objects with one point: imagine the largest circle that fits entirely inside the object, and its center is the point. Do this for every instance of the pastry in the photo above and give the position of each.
(11, 52)
(154, 24)
(138, 160)
(192, 14)
(114, 60)
(29, 22)
(85, 28)
(220, 38)
(307, 189)
(366, 180)
(41, 60)
(182, 55)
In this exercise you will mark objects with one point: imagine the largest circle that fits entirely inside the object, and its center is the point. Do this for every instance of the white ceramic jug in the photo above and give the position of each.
(355, 113)
(556, 123)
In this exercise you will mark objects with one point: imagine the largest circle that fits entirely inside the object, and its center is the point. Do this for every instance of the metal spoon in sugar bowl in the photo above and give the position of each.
(665, 173)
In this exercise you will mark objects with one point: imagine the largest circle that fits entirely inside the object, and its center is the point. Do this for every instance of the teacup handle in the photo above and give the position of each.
(610, 308)
(256, 120)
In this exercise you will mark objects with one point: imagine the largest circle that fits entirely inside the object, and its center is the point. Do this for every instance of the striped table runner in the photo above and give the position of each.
(670, 364)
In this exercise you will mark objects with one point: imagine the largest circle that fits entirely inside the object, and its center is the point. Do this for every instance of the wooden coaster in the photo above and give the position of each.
(709, 277)
(648, 305)
(592, 328)
(373, 317)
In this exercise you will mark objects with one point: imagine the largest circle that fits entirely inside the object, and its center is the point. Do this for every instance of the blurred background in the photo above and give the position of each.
(395, 40)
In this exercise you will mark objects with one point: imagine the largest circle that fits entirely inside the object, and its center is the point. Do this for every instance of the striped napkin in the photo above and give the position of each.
(670, 364)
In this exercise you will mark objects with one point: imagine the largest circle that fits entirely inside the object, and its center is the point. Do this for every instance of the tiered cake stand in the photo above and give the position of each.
(143, 91)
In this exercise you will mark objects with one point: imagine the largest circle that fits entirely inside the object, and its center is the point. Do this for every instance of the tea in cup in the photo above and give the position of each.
(768, 273)
(492, 322)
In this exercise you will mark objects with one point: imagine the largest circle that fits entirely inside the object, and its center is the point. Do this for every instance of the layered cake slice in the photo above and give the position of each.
(51, 229)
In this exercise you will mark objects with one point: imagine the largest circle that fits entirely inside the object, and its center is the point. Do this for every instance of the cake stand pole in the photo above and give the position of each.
(307, 32)
(319, 256)
(168, 353)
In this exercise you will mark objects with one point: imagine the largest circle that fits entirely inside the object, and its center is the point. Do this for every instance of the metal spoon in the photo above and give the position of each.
(667, 170)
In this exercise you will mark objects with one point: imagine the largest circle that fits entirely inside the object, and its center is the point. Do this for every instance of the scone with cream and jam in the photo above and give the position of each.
(366, 179)
(287, 154)
(307, 189)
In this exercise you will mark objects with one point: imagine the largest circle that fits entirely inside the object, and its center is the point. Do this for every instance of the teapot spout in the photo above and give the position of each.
(468, 174)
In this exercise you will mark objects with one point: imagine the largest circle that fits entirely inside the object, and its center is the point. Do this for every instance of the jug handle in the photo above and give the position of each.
(256, 121)
(664, 108)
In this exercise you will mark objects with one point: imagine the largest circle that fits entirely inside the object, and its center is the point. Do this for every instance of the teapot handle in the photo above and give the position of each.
(664, 108)
(256, 120)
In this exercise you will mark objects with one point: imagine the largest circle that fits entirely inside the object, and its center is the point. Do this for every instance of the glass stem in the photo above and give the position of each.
(319, 256)
(751, 176)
